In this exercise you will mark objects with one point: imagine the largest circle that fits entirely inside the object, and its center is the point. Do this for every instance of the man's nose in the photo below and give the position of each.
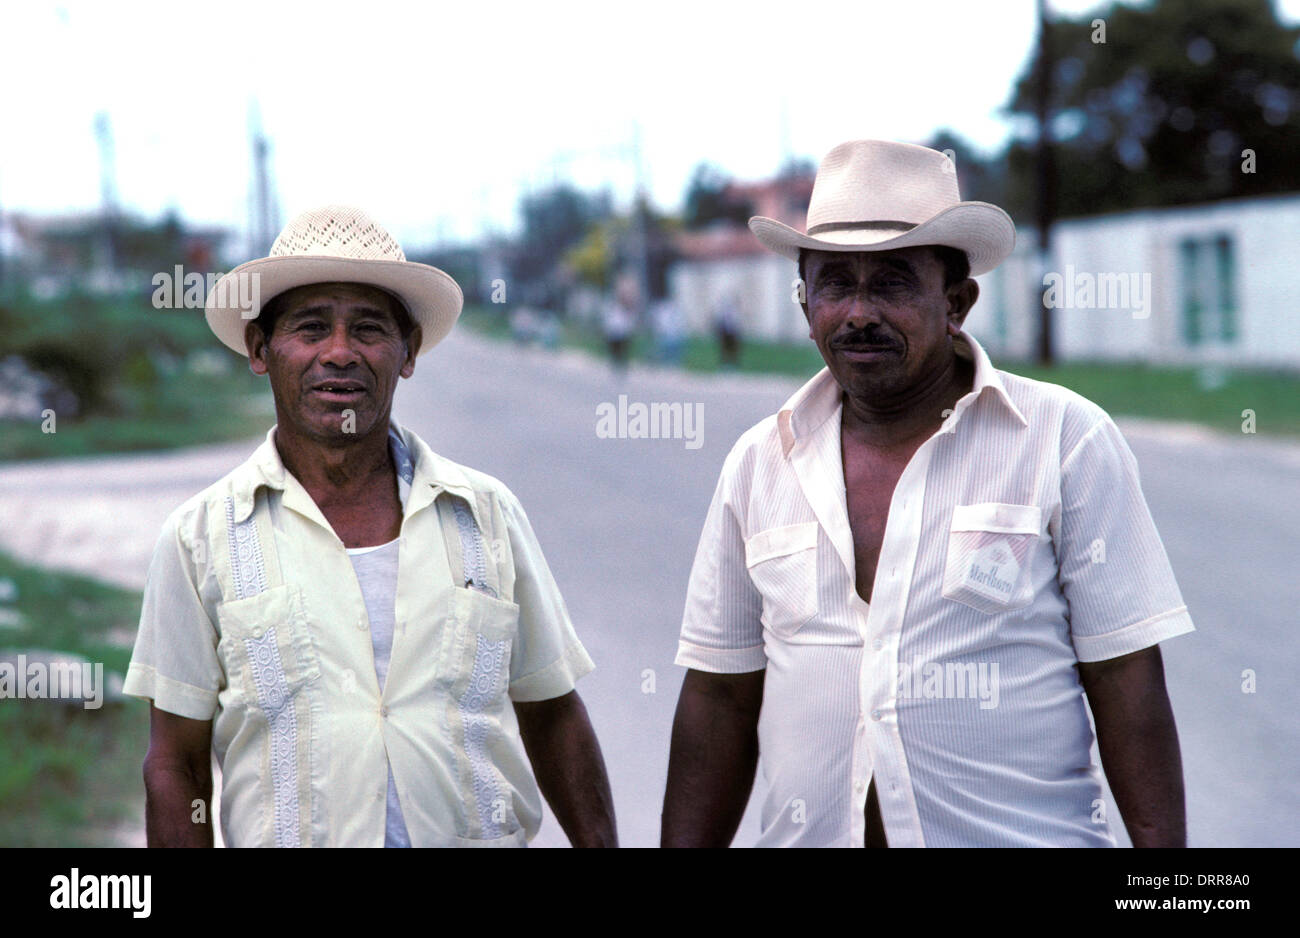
(338, 350)
(862, 311)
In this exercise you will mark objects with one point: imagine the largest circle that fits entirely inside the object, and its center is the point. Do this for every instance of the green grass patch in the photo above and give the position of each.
(1214, 398)
(182, 409)
(69, 775)
(142, 378)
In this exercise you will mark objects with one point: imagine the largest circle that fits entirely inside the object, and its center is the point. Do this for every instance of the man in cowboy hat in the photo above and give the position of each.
(913, 574)
(365, 634)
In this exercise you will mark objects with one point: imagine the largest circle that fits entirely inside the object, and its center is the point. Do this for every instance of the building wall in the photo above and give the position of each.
(1246, 248)
(761, 284)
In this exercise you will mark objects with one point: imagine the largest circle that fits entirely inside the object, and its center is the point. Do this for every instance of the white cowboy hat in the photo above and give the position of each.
(875, 195)
(335, 244)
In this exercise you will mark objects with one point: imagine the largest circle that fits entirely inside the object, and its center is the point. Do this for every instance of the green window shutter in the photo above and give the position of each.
(1192, 303)
(1226, 268)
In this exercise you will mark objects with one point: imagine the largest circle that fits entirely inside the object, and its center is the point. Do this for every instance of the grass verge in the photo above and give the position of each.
(68, 776)
(184, 409)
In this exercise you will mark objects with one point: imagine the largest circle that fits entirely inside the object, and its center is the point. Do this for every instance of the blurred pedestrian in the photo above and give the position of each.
(726, 324)
(669, 329)
(619, 325)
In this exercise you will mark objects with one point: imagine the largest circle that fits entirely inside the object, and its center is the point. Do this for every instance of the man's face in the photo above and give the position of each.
(881, 319)
(336, 348)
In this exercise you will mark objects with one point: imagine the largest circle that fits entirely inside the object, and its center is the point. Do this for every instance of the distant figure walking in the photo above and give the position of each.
(669, 329)
(619, 322)
(726, 323)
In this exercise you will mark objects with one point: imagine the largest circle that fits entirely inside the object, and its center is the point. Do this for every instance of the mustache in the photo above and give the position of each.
(867, 336)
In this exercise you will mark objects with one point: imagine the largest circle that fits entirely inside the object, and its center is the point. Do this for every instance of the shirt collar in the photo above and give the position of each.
(820, 399)
(424, 471)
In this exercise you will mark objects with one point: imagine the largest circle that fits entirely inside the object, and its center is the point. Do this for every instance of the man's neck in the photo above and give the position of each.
(332, 473)
(913, 415)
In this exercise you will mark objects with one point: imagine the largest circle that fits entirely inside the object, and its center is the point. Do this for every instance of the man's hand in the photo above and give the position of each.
(1139, 745)
(570, 771)
(177, 773)
(712, 759)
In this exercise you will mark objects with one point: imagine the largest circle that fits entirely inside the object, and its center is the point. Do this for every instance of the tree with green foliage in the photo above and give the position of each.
(554, 221)
(1175, 102)
(709, 199)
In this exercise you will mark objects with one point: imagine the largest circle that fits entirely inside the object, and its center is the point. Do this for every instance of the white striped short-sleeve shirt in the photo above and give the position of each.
(1018, 543)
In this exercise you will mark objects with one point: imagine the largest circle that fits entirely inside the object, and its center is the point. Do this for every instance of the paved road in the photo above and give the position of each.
(619, 520)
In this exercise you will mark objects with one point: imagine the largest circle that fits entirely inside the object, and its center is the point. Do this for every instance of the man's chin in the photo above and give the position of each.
(338, 426)
(867, 377)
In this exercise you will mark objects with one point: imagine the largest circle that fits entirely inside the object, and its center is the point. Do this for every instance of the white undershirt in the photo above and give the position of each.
(376, 569)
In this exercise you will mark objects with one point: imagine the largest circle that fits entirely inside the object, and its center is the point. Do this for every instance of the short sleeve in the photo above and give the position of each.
(722, 629)
(547, 659)
(1114, 572)
(175, 663)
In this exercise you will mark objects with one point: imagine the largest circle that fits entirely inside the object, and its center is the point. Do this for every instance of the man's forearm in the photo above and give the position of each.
(171, 810)
(1138, 741)
(713, 756)
(570, 771)
(1144, 768)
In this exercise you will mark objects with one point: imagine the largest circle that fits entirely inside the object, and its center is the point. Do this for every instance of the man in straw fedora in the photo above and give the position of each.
(365, 634)
(913, 574)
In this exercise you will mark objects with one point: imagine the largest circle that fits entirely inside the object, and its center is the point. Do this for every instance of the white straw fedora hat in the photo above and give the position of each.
(875, 195)
(335, 244)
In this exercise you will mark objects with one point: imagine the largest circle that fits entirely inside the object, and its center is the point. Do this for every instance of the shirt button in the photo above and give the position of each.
(383, 711)
(859, 787)
(877, 645)
(875, 715)
(257, 631)
(361, 623)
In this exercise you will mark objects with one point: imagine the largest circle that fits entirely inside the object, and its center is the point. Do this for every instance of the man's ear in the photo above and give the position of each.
(256, 343)
(412, 349)
(961, 297)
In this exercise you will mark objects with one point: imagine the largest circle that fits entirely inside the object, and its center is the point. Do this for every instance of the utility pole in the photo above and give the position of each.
(107, 191)
(264, 222)
(263, 197)
(1046, 172)
(641, 221)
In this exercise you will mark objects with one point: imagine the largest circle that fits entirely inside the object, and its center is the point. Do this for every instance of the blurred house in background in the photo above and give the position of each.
(1196, 284)
(725, 261)
(99, 253)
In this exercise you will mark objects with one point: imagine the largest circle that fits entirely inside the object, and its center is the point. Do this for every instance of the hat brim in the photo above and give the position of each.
(982, 230)
(433, 298)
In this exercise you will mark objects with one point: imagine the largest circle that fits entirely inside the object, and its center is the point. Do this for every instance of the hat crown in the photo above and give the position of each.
(876, 182)
(337, 231)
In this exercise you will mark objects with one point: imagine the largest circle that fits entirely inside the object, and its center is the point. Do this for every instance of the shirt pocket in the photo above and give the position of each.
(476, 659)
(267, 647)
(475, 673)
(782, 563)
(990, 547)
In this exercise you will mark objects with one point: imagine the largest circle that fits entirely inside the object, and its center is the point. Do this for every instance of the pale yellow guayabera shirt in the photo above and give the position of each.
(253, 618)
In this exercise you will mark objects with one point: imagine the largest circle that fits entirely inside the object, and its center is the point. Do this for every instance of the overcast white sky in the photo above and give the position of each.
(434, 117)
